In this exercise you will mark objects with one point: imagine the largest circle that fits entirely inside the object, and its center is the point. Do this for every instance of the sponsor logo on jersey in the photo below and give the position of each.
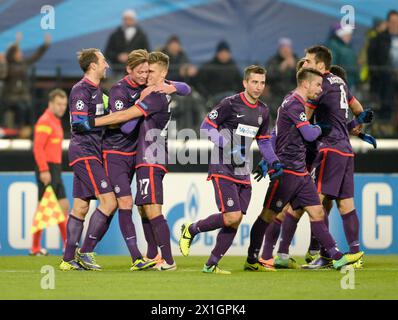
(246, 130)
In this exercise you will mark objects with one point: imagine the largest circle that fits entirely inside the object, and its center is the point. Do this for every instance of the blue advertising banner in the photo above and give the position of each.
(376, 201)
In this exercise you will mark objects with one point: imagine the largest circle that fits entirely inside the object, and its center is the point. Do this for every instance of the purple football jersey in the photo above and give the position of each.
(241, 122)
(290, 145)
(332, 107)
(152, 137)
(85, 99)
(122, 95)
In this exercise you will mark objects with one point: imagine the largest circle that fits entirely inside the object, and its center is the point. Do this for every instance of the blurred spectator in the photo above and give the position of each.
(383, 64)
(16, 92)
(3, 71)
(180, 69)
(343, 54)
(126, 38)
(219, 77)
(281, 73)
(378, 27)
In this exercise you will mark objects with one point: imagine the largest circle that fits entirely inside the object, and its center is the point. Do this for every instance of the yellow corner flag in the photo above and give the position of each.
(49, 211)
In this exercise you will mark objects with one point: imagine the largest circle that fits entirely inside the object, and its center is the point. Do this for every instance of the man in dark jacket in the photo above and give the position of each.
(125, 39)
(220, 76)
(281, 74)
(383, 65)
(16, 95)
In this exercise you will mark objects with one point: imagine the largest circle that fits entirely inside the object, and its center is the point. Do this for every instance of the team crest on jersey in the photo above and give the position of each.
(119, 105)
(213, 115)
(260, 120)
(303, 116)
(104, 184)
(230, 202)
(79, 105)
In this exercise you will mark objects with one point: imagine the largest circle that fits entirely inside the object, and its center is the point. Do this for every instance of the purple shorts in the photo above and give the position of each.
(89, 179)
(231, 196)
(120, 168)
(335, 175)
(298, 190)
(149, 185)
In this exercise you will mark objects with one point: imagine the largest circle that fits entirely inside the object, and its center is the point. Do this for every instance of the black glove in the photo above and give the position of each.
(366, 116)
(260, 171)
(277, 170)
(84, 124)
(368, 138)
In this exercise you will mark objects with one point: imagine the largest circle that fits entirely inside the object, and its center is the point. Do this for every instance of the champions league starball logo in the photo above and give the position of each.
(187, 211)
(119, 105)
(79, 105)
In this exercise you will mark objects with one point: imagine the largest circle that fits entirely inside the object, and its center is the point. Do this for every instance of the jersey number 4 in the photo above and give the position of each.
(343, 100)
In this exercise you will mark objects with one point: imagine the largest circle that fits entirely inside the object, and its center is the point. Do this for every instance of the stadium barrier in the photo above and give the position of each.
(188, 197)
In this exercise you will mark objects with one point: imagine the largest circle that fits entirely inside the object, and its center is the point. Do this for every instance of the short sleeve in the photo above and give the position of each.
(219, 113)
(263, 131)
(118, 100)
(79, 101)
(152, 103)
(297, 114)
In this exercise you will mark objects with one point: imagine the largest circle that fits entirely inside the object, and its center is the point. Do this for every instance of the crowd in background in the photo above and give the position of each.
(372, 74)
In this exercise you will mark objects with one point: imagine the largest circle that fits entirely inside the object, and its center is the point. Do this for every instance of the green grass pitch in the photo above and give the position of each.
(20, 278)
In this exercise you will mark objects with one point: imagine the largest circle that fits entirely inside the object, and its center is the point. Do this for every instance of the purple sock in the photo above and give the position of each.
(152, 248)
(314, 244)
(224, 241)
(128, 231)
(324, 252)
(289, 226)
(325, 238)
(106, 227)
(162, 236)
(213, 222)
(74, 230)
(256, 239)
(95, 230)
(270, 239)
(351, 230)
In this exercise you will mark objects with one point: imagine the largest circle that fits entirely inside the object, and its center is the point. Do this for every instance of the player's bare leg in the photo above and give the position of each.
(161, 233)
(152, 248)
